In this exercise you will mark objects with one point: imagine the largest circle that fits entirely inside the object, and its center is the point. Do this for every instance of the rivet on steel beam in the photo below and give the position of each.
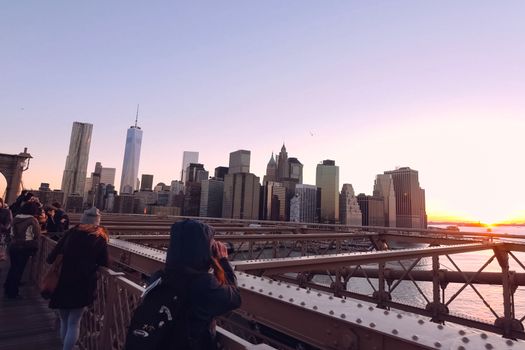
(297, 288)
(308, 291)
(415, 337)
(461, 332)
(243, 285)
(461, 347)
(254, 277)
(465, 340)
(343, 316)
(399, 316)
(484, 336)
(489, 346)
(359, 305)
(290, 300)
(319, 294)
(279, 283)
(280, 296)
(303, 303)
(437, 344)
(372, 324)
(270, 293)
(315, 307)
(371, 308)
(260, 290)
(440, 326)
(359, 320)
(509, 342)
(331, 312)
(271, 281)
(421, 322)
(330, 297)
(287, 286)
(252, 287)
(386, 312)
(343, 301)
(394, 331)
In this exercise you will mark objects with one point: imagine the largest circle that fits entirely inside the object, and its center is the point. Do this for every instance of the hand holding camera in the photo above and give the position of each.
(220, 250)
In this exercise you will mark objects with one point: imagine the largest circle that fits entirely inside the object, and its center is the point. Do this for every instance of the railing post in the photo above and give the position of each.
(437, 307)
(109, 312)
(507, 323)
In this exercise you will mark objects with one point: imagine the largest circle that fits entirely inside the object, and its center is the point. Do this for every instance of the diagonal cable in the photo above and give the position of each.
(414, 282)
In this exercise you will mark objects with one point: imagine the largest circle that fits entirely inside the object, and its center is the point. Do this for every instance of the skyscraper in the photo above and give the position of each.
(75, 171)
(349, 212)
(410, 198)
(211, 198)
(295, 170)
(146, 182)
(283, 169)
(130, 166)
(187, 158)
(327, 179)
(239, 162)
(384, 187)
(371, 209)
(271, 171)
(241, 189)
(304, 204)
(107, 176)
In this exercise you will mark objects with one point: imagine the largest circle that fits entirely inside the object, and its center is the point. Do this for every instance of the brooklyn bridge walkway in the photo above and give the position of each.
(27, 323)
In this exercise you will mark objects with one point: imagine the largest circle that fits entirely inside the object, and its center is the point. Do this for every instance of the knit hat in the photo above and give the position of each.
(91, 216)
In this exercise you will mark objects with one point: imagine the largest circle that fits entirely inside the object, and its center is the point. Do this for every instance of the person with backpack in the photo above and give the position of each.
(83, 249)
(24, 244)
(6, 219)
(179, 308)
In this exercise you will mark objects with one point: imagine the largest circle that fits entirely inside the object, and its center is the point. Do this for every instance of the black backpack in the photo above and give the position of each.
(153, 325)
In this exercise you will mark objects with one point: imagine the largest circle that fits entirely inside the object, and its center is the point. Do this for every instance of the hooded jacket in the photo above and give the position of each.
(188, 261)
(84, 249)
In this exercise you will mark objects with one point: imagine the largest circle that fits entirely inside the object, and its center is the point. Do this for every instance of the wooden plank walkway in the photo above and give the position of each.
(27, 323)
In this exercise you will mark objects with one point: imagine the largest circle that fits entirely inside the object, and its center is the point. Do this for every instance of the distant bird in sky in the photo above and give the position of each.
(311, 133)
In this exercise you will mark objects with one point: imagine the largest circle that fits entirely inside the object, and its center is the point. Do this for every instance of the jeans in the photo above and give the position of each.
(70, 326)
(18, 261)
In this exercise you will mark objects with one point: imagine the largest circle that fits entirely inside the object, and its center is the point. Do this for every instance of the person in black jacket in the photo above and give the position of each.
(192, 252)
(84, 249)
(6, 219)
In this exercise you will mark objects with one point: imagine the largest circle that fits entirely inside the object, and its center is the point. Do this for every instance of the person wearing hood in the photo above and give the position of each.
(191, 254)
(24, 244)
(83, 248)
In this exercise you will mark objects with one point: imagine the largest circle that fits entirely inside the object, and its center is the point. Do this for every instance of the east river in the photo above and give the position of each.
(468, 304)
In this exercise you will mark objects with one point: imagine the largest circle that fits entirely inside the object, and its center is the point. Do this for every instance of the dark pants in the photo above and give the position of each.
(18, 261)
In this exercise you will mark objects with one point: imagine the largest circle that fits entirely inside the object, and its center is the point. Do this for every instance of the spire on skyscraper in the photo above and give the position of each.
(137, 116)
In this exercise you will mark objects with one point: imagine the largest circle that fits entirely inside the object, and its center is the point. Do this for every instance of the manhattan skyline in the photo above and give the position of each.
(437, 87)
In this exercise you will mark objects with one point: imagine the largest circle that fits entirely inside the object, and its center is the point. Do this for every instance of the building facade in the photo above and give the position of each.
(75, 171)
(327, 179)
(410, 198)
(371, 210)
(384, 187)
(304, 205)
(187, 158)
(349, 211)
(239, 162)
(211, 198)
(146, 182)
(241, 196)
(130, 165)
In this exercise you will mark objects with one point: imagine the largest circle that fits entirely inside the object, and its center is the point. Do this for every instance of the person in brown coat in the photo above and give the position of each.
(84, 249)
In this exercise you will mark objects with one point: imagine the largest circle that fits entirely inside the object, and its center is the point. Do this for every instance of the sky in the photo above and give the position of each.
(438, 86)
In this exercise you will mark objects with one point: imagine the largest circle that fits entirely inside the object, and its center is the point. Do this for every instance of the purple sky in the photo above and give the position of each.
(437, 86)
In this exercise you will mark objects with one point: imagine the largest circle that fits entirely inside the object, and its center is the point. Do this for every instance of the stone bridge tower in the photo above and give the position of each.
(12, 166)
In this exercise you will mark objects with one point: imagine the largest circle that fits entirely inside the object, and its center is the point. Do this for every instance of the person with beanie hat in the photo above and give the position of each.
(91, 217)
(191, 254)
(83, 248)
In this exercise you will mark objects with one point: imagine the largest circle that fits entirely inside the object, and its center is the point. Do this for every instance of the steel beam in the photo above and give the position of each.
(307, 263)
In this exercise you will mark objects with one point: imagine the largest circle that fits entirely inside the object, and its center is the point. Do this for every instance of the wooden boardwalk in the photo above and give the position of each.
(27, 323)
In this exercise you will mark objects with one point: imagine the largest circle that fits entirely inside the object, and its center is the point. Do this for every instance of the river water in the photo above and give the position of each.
(468, 304)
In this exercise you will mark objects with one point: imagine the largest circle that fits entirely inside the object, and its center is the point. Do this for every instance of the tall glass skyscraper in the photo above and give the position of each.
(130, 167)
(188, 157)
(75, 171)
(327, 179)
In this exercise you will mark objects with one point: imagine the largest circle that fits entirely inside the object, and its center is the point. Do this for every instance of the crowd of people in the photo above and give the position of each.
(197, 268)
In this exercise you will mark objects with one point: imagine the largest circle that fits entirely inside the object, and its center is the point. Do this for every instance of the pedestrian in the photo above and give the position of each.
(6, 219)
(61, 218)
(23, 198)
(24, 244)
(192, 252)
(84, 249)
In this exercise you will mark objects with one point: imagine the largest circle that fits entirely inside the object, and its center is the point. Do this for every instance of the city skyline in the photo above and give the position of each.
(437, 87)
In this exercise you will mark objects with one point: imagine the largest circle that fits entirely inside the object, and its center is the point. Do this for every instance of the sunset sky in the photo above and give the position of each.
(438, 86)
